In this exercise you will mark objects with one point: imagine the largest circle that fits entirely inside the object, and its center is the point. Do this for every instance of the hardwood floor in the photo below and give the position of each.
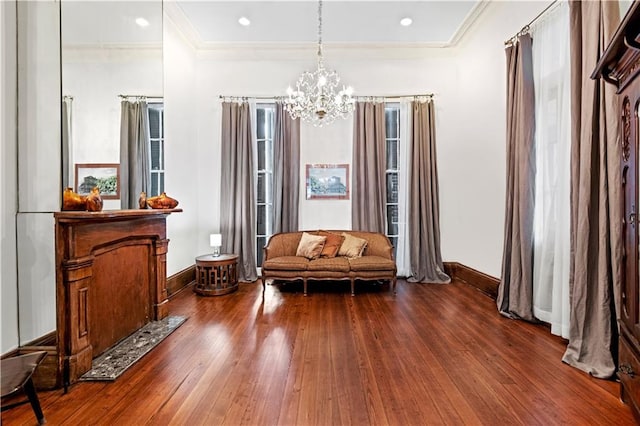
(433, 354)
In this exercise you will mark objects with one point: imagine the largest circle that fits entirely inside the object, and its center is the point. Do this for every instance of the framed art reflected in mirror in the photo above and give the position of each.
(105, 176)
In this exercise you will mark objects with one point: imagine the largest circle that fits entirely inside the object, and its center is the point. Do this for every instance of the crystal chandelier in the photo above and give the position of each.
(316, 98)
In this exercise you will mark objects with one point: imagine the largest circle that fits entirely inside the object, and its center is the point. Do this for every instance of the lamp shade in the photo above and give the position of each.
(215, 240)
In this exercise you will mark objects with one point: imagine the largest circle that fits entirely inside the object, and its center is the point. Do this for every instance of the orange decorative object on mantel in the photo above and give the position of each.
(94, 200)
(142, 200)
(72, 201)
(162, 201)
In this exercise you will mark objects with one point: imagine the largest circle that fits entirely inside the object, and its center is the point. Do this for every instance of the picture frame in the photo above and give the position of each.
(327, 182)
(105, 176)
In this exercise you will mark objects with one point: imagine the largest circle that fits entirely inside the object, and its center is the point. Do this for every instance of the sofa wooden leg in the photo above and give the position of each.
(304, 286)
(353, 287)
(394, 283)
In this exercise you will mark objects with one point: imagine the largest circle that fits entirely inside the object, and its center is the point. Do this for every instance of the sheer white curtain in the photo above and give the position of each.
(551, 72)
(403, 262)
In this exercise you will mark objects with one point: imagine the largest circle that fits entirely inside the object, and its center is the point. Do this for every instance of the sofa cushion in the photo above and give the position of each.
(371, 263)
(287, 263)
(310, 246)
(352, 246)
(332, 245)
(333, 264)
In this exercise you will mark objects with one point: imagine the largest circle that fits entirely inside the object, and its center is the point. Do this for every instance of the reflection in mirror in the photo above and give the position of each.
(112, 93)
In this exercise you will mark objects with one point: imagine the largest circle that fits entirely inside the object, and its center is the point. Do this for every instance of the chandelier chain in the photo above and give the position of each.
(320, 60)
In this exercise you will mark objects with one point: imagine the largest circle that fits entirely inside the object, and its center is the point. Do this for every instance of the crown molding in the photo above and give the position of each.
(185, 27)
(467, 22)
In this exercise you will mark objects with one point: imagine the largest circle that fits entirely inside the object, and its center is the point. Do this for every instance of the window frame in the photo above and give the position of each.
(156, 174)
(393, 237)
(267, 172)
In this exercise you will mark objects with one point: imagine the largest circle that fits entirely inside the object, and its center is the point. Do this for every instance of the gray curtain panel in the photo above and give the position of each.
(515, 292)
(368, 190)
(286, 171)
(424, 201)
(237, 194)
(135, 159)
(596, 233)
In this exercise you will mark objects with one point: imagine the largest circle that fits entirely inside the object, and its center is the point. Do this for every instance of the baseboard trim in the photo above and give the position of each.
(180, 280)
(483, 282)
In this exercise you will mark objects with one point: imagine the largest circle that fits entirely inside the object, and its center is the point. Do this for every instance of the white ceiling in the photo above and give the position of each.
(434, 22)
(215, 22)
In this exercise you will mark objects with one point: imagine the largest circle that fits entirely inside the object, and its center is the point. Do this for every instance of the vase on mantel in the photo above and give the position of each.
(94, 200)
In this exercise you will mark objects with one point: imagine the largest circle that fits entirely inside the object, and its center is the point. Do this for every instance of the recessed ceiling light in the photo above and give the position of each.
(142, 22)
(244, 21)
(405, 22)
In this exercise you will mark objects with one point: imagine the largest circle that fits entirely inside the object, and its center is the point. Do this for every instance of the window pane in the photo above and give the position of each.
(392, 220)
(261, 242)
(161, 186)
(391, 122)
(262, 188)
(268, 124)
(392, 187)
(268, 154)
(262, 220)
(268, 188)
(154, 122)
(260, 125)
(155, 155)
(392, 154)
(261, 154)
(154, 185)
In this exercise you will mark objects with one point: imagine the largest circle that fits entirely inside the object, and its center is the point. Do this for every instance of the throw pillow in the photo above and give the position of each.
(352, 247)
(310, 246)
(332, 245)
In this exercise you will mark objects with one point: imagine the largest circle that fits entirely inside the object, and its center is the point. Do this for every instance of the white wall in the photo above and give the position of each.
(184, 157)
(8, 178)
(472, 145)
(468, 81)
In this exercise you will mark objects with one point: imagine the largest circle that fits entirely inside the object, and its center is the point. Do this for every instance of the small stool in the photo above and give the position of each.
(16, 375)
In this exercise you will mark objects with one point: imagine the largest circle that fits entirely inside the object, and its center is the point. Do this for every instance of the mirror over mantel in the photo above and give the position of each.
(109, 49)
(103, 53)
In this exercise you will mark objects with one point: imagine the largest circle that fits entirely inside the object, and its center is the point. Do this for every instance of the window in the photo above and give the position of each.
(156, 133)
(265, 122)
(392, 123)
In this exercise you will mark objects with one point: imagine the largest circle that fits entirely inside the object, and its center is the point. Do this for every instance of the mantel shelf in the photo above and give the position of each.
(66, 216)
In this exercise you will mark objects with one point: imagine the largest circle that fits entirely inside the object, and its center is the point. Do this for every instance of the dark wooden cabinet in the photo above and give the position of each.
(620, 65)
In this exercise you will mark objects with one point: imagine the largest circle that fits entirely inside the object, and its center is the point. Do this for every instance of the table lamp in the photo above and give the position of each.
(215, 241)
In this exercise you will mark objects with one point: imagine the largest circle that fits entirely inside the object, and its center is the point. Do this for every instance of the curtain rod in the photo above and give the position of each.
(525, 29)
(427, 95)
(421, 95)
(140, 96)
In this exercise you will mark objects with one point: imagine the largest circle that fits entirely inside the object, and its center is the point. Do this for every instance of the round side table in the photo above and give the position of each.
(216, 275)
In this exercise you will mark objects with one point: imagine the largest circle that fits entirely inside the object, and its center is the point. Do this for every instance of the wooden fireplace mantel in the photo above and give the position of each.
(110, 281)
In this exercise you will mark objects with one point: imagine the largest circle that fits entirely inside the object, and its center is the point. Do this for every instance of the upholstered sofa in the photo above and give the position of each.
(282, 260)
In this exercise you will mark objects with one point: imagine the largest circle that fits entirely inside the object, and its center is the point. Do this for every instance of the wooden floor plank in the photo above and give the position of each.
(432, 354)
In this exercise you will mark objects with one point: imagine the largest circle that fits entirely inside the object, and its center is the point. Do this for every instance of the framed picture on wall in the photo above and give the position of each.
(327, 181)
(104, 176)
